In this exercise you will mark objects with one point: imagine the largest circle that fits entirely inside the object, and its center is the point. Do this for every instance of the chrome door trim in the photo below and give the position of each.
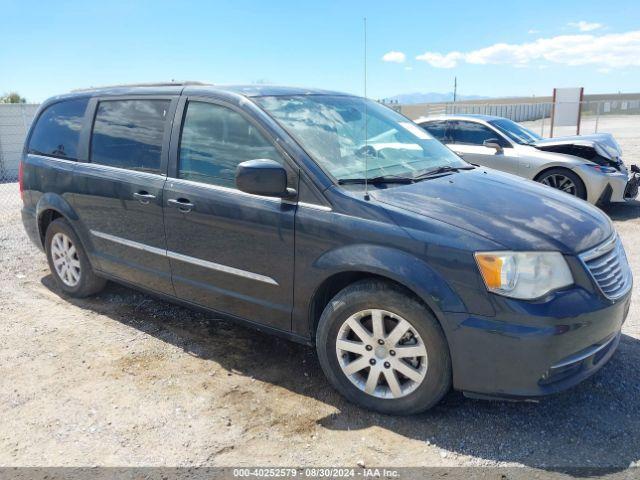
(235, 191)
(56, 159)
(109, 168)
(221, 268)
(220, 188)
(314, 206)
(186, 258)
(98, 166)
(129, 243)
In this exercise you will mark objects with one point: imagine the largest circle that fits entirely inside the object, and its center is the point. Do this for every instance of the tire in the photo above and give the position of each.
(334, 329)
(549, 178)
(64, 249)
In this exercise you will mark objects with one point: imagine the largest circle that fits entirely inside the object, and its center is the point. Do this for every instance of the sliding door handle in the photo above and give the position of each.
(143, 197)
(183, 204)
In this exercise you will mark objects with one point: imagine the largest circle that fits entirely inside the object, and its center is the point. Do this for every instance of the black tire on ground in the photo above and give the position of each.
(580, 189)
(89, 283)
(376, 294)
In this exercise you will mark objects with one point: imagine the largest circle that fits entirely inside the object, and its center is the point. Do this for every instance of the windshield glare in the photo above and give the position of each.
(332, 130)
(515, 132)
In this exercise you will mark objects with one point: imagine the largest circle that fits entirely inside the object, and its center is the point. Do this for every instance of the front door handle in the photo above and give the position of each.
(183, 204)
(143, 197)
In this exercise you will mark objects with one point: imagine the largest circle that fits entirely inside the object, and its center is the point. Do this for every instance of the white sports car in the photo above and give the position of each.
(586, 166)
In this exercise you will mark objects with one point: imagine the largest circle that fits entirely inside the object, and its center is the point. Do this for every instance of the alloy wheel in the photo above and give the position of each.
(65, 259)
(381, 353)
(560, 182)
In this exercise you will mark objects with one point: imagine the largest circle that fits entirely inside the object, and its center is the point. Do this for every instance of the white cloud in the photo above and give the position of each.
(532, 31)
(585, 26)
(395, 57)
(607, 51)
(438, 60)
(408, 68)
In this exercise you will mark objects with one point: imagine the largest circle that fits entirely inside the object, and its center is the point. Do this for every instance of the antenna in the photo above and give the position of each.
(366, 118)
(455, 89)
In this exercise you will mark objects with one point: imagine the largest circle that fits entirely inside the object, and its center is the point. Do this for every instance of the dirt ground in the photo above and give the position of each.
(122, 379)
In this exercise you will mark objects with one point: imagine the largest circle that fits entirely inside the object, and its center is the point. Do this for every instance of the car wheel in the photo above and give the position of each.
(564, 180)
(383, 349)
(68, 261)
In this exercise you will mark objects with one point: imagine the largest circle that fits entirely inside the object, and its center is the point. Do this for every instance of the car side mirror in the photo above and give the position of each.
(493, 143)
(263, 177)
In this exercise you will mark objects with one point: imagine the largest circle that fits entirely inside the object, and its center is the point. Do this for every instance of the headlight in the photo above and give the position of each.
(602, 168)
(525, 275)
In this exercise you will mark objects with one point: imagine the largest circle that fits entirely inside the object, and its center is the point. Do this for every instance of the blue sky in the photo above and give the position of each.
(494, 48)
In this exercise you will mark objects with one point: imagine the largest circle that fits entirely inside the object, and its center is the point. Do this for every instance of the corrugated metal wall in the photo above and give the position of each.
(518, 112)
(15, 119)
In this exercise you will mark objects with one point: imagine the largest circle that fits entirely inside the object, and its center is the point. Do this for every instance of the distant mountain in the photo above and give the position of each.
(431, 97)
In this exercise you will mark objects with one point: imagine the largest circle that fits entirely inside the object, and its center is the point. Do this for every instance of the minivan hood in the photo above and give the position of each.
(515, 213)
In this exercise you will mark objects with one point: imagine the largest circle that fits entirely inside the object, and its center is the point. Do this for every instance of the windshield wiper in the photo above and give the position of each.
(441, 170)
(400, 179)
(376, 180)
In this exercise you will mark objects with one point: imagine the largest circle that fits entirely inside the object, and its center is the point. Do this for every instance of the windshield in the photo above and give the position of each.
(332, 130)
(515, 132)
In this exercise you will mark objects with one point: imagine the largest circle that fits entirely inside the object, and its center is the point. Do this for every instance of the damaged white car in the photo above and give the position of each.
(586, 166)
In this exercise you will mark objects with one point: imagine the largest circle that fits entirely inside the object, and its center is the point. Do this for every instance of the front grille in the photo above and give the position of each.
(608, 266)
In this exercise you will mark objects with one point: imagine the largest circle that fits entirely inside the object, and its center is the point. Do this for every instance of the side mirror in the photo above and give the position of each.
(263, 177)
(493, 143)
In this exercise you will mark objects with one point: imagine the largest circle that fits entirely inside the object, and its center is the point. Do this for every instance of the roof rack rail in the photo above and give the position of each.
(151, 84)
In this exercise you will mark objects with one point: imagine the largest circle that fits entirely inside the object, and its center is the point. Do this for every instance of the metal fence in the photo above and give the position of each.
(15, 120)
(517, 112)
(15, 248)
(595, 114)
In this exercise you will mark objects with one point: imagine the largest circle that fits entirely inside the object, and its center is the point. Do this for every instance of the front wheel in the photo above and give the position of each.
(564, 180)
(383, 349)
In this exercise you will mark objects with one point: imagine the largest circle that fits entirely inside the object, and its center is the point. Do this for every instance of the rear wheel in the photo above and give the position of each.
(564, 180)
(68, 261)
(383, 349)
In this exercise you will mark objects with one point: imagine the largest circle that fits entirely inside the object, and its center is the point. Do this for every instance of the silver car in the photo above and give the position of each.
(586, 166)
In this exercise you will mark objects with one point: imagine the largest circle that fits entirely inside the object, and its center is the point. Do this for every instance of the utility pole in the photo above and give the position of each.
(455, 88)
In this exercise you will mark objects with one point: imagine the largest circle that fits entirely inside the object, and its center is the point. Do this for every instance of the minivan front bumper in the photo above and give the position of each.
(530, 350)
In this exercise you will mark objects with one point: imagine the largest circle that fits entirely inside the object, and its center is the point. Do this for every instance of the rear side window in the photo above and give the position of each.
(438, 130)
(215, 140)
(128, 134)
(471, 133)
(57, 130)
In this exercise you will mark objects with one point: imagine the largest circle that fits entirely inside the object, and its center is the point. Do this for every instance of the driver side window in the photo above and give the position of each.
(214, 140)
(472, 133)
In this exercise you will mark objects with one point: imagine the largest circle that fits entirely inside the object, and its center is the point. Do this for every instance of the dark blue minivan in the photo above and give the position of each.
(334, 221)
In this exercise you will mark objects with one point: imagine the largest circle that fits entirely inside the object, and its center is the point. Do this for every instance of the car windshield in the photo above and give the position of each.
(515, 132)
(344, 133)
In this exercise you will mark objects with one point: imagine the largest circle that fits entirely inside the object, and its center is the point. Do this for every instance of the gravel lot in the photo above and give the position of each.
(123, 379)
